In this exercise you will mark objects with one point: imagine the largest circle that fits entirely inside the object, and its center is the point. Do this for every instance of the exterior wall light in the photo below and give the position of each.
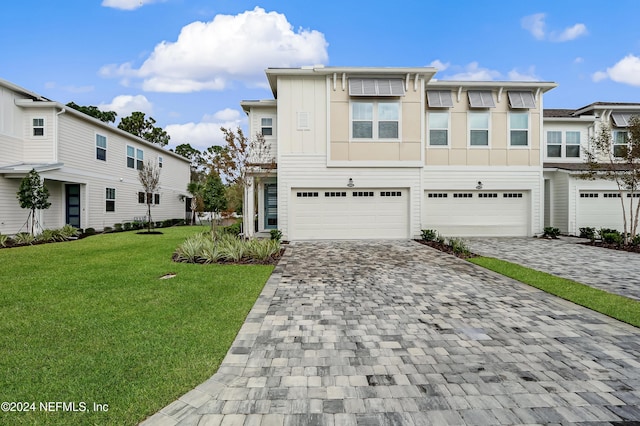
(479, 185)
(350, 184)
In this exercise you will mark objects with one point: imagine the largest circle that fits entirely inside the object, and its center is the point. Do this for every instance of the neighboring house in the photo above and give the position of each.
(89, 167)
(386, 152)
(572, 202)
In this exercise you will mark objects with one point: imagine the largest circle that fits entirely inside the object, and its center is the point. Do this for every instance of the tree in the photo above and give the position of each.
(214, 196)
(618, 160)
(33, 195)
(104, 116)
(149, 177)
(195, 189)
(137, 124)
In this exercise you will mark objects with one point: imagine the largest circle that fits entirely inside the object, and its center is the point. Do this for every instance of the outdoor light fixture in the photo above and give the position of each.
(350, 184)
(479, 185)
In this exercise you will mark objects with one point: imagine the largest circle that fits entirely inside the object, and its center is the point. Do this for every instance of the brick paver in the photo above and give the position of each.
(396, 333)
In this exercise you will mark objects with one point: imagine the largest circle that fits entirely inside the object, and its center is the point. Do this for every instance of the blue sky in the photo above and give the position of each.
(188, 63)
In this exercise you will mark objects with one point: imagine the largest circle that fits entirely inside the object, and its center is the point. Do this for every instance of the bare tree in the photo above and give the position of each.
(617, 159)
(149, 177)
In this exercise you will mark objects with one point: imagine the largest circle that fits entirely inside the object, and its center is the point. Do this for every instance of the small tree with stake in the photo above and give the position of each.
(149, 177)
(214, 196)
(33, 195)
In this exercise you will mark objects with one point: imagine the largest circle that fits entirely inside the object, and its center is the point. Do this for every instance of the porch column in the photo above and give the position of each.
(248, 209)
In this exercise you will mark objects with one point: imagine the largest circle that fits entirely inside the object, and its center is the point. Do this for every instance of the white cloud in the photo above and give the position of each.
(207, 132)
(212, 55)
(536, 25)
(578, 60)
(126, 4)
(528, 75)
(439, 65)
(124, 105)
(474, 72)
(626, 71)
(569, 34)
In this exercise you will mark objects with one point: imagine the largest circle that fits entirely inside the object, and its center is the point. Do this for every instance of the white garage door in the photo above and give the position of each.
(600, 209)
(349, 214)
(477, 213)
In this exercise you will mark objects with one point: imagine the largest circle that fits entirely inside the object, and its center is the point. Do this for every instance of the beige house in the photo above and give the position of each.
(386, 152)
(89, 167)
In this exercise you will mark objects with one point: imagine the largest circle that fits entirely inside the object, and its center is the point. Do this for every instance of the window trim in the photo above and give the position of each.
(547, 144)
(567, 144)
(98, 147)
(375, 120)
(615, 141)
(110, 197)
(160, 161)
(448, 129)
(264, 126)
(35, 126)
(488, 129)
(528, 130)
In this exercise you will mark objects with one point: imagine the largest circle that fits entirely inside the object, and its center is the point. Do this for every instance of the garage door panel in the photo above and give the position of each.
(601, 209)
(463, 214)
(368, 214)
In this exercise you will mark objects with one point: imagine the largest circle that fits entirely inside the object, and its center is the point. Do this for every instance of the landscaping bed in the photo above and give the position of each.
(444, 247)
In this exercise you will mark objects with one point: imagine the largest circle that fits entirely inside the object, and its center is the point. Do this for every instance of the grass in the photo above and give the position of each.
(90, 321)
(618, 307)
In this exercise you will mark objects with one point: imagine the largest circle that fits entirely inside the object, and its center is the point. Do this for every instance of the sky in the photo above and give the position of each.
(189, 63)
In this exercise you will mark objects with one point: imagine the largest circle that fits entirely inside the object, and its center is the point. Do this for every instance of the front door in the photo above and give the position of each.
(270, 206)
(72, 203)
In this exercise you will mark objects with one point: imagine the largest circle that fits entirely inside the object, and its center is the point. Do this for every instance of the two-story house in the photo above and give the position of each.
(571, 201)
(89, 167)
(386, 152)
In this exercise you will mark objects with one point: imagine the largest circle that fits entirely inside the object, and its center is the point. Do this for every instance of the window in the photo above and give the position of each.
(462, 195)
(160, 162)
(266, 126)
(156, 198)
(488, 195)
(554, 144)
(375, 120)
(134, 162)
(479, 128)
(573, 144)
(110, 198)
(101, 147)
(588, 195)
(439, 128)
(391, 194)
(363, 193)
(38, 127)
(335, 194)
(620, 143)
(437, 195)
(519, 125)
(141, 198)
(306, 194)
(512, 195)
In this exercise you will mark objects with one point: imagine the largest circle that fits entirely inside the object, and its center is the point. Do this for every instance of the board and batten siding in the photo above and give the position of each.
(496, 179)
(560, 201)
(255, 128)
(310, 171)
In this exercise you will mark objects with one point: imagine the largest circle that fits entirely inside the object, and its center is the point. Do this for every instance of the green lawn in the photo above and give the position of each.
(613, 305)
(90, 321)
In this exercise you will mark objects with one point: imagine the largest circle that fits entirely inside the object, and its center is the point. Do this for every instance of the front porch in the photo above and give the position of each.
(260, 212)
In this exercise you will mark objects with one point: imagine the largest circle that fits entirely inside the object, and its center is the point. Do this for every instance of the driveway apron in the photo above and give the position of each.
(396, 333)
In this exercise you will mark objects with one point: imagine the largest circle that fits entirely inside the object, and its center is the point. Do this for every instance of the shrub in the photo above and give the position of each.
(459, 247)
(24, 238)
(107, 229)
(158, 224)
(440, 239)
(276, 234)
(47, 236)
(191, 249)
(233, 229)
(90, 231)
(117, 227)
(428, 234)
(262, 250)
(603, 231)
(166, 223)
(127, 226)
(612, 238)
(635, 241)
(231, 248)
(551, 232)
(4, 240)
(588, 232)
(68, 232)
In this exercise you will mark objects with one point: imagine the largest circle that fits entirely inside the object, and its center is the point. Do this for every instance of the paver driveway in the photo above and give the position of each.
(393, 332)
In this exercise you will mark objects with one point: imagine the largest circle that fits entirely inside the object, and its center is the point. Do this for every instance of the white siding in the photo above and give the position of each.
(39, 149)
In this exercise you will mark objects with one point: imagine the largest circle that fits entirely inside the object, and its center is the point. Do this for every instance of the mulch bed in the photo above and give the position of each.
(631, 249)
(273, 260)
(445, 248)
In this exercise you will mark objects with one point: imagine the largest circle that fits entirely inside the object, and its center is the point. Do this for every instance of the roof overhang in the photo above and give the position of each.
(22, 169)
(247, 105)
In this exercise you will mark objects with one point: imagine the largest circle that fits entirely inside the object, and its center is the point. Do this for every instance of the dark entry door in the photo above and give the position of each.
(270, 205)
(72, 202)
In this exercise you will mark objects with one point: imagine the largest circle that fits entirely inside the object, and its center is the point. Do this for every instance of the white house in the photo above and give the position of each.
(386, 152)
(89, 167)
(572, 202)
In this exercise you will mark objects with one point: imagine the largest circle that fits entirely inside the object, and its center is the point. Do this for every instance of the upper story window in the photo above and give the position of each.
(554, 144)
(572, 150)
(101, 147)
(563, 145)
(160, 160)
(479, 128)
(135, 158)
(110, 199)
(266, 126)
(620, 143)
(519, 128)
(38, 127)
(375, 120)
(438, 128)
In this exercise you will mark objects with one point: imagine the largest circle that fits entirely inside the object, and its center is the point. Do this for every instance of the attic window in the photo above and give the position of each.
(519, 99)
(622, 119)
(439, 99)
(481, 99)
(376, 87)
